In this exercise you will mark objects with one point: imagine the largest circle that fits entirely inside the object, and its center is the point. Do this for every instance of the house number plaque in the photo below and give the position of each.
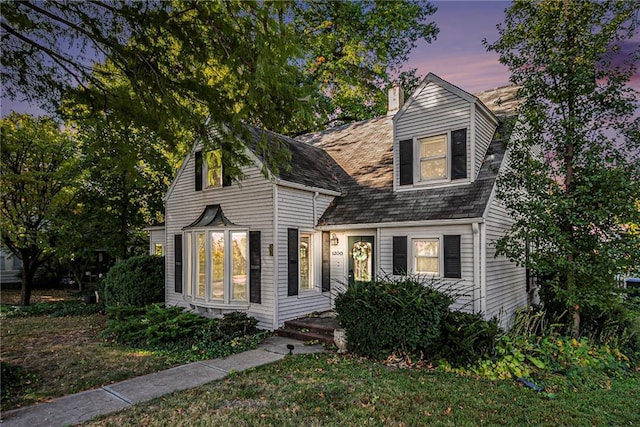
(337, 253)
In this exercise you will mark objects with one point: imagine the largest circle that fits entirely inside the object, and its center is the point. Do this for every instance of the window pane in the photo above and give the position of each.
(213, 163)
(188, 262)
(239, 260)
(217, 265)
(426, 248)
(427, 265)
(201, 269)
(157, 250)
(434, 146)
(436, 168)
(305, 262)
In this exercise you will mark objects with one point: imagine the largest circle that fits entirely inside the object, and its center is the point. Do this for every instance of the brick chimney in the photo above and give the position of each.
(396, 100)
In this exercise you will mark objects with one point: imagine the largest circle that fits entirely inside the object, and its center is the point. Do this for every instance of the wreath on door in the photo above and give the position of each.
(361, 251)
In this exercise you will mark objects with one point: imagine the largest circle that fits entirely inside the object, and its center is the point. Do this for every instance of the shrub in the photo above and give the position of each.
(237, 324)
(137, 281)
(155, 325)
(182, 334)
(388, 316)
(466, 337)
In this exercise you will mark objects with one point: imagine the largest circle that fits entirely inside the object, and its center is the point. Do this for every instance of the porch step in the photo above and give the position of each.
(304, 336)
(310, 328)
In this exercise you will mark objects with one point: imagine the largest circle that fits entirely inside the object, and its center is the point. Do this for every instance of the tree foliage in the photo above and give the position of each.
(283, 66)
(575, 160)
(38, 169)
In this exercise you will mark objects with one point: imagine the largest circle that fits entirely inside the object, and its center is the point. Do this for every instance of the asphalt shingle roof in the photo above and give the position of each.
(364, 150)
(310, 166)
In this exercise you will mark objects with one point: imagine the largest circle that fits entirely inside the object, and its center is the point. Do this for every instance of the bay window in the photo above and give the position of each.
(219, 273)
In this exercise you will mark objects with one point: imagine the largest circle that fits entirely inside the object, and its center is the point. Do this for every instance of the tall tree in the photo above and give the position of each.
(575, 165)
(38, 167)
(241, 62)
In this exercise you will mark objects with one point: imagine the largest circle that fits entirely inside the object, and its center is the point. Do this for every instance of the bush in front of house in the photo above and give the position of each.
(466, 337)
(392, 316)
(136, 281)
(180, 333)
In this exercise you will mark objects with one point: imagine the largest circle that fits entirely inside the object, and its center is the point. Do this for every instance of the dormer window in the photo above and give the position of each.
(438, 158)
(213, 168)
(433, 158)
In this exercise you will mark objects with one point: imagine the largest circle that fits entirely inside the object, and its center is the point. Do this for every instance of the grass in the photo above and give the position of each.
(64, 355)
(328, 389)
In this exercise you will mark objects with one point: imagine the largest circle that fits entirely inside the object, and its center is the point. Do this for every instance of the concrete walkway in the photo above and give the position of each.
(80, 407)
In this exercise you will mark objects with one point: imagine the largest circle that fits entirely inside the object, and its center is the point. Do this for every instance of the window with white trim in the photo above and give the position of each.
(426, 256)
(158, 249)
(433, 158)
(306, 261)
(212, 166)
(216, 265)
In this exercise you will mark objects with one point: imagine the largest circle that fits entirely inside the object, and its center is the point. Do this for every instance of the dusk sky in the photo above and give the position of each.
(457, 55)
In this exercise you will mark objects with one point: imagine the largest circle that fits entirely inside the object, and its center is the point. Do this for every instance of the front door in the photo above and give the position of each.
(361, 258)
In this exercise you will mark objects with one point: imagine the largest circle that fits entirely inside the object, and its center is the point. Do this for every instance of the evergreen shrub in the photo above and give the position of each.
(392, 316)
(137, 281)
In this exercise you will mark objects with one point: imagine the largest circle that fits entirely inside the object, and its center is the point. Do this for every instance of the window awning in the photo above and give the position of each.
(211, 216)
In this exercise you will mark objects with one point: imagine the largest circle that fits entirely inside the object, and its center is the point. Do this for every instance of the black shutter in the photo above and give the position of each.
(399, 255)
(452, 266)
(459, 154)
(177, 240)
(406, 162)
(226, 180)
(292, 266)
(198, 174)
(326, 262)
(255, 268)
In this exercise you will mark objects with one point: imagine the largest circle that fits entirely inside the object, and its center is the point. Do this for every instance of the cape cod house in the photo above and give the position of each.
(409, 192)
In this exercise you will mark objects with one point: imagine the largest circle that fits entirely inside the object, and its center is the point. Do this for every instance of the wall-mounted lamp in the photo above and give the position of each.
(334, 239)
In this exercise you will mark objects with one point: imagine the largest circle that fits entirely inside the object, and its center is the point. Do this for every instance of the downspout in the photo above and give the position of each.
(483, 268)
(477, 288)
(275, 257)
(315, 218)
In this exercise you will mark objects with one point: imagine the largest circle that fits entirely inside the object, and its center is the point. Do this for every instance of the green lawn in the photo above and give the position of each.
(329, 389)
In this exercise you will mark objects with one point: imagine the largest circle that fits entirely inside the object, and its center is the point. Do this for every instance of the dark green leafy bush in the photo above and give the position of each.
(155, 325)
(390, 316)
(237, 324)
(137, 281)
(466, 337)
(180, 333)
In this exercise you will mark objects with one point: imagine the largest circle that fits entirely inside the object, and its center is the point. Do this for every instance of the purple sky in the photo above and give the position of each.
(458, 55)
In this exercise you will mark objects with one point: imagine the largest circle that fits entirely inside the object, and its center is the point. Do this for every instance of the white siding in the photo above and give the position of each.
(505, 282)
(484, 130)
(248, 204)
(463, 287)
(156, 236)
(295, 209)
(433, 111)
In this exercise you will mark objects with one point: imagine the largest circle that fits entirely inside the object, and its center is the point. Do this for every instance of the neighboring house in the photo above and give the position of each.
(10, 268)
(410, 192)
(156, 239)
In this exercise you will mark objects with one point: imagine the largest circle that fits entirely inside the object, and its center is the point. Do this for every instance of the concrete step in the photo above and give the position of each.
(312, 325)
(306, 335)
